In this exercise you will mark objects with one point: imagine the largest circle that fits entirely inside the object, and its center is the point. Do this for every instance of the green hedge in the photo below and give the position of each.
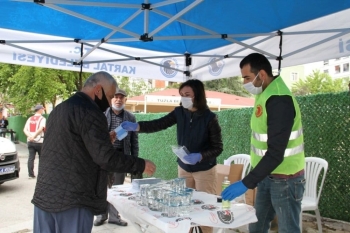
(326, 122)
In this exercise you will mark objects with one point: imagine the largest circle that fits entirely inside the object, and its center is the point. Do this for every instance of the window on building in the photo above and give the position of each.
(337, 69)
(325, 63)
(346, 67)
(294, 76)
(326, 71)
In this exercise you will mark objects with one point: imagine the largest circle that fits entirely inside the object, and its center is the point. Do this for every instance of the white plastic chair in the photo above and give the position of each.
(312, 193)
(240, 159)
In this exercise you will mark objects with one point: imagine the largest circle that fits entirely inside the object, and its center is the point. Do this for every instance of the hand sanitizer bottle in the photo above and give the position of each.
(226, 204)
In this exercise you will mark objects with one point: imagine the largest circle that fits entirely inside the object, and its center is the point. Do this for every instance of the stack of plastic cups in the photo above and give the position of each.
(172, 197)
(180, 185)
(143, 194)
(165, 201)
(151, 199)
(173, 205)
(158, 195)
(186, 201)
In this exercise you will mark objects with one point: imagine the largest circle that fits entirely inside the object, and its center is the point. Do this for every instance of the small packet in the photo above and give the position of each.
(180, 152)
(121, 133)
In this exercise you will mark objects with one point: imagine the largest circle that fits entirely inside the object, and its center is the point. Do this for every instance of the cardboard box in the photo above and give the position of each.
(250, 197)
(234, 173)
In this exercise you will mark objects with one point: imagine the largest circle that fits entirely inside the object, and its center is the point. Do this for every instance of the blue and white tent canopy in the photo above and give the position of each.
(171, 40)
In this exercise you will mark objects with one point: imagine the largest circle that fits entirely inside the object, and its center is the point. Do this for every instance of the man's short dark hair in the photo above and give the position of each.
(257, 62)
(200, 101)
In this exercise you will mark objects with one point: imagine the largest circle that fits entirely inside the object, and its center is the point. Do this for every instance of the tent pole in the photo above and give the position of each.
(81, 67)
(279, 58)
(146, 7)
(188, 62)
(145, 105)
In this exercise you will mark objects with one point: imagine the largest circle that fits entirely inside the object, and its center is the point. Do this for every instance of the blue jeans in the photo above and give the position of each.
(281, 197)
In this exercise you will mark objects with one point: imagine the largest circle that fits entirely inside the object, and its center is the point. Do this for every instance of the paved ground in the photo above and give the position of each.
(17, 212)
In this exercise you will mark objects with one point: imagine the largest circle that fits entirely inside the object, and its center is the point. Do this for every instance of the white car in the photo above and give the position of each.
(9, 162)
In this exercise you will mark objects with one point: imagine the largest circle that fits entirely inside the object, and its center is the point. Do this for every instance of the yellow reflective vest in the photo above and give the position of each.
(294, 160)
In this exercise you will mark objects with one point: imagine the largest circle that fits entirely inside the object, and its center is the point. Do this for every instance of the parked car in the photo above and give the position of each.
(9, 162)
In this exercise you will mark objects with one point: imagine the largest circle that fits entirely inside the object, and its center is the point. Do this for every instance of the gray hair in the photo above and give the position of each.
(98, 77)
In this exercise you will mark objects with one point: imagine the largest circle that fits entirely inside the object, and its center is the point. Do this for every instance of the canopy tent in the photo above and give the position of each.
(171, 40)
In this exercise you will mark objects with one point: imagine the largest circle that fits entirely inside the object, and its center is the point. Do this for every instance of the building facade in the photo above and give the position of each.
(336, 68)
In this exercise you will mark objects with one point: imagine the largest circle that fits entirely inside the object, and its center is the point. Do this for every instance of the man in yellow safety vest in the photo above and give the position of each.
(277, 149)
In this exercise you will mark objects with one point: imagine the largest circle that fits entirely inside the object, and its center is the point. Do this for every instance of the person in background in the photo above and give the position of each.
(128, 145)
(3, 126)
(277, 149)
(34, 130)
(198, 129)
(77, 155)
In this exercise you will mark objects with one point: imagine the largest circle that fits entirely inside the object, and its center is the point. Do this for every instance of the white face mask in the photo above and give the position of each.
(253, 89)
(118, 108)
(186, 102)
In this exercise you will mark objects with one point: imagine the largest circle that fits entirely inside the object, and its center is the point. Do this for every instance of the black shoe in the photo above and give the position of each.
(119, 222)
(99, 222)
(32, 177)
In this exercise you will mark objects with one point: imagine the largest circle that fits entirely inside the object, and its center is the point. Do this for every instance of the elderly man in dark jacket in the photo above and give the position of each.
(76, 156)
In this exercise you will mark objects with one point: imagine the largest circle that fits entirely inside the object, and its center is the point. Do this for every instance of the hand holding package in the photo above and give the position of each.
(193, 158)
(234, 190)
(121, 133)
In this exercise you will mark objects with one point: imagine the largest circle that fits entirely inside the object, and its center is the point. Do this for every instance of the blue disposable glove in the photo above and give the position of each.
(129, 126)
(234, 190)
(193, 158)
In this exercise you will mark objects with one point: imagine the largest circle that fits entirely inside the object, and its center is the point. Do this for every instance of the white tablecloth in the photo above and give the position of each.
(208, 213)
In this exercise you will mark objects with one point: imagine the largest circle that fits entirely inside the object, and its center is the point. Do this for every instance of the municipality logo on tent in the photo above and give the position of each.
(215, 66)
(168, 66)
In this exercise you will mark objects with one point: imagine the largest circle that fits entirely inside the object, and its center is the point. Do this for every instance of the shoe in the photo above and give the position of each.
(99, 222)
(119, 222)
(32, 177)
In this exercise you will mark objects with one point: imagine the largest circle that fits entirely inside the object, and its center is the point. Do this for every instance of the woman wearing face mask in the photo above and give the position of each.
(198, 129)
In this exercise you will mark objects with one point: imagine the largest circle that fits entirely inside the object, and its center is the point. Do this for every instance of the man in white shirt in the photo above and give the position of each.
(34, 129)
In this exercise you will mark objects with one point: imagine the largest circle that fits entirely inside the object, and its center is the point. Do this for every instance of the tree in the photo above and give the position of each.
(233, 85)
(6, 71)
(318, 82)
(134, 87)
(26, 86)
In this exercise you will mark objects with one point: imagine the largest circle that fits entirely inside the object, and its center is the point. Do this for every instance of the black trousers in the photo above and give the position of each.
(111, 211)
(33, 148)
(3, 132)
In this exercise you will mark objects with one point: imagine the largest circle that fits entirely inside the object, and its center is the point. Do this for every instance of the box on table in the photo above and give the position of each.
(234, 173)
(137, 182)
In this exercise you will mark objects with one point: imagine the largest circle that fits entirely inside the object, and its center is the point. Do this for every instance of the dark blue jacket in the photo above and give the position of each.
(199, 131)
